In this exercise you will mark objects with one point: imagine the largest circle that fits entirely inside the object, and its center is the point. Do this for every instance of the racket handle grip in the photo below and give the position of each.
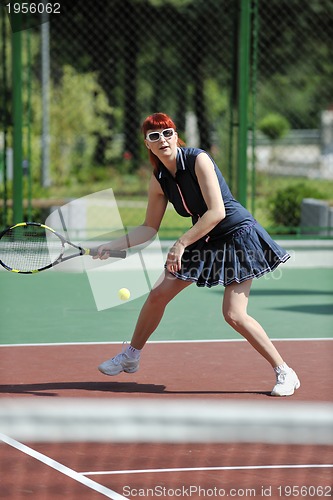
(120, 254)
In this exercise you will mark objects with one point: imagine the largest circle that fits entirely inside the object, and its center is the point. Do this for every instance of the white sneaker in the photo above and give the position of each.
(118, 364)
(286, 382)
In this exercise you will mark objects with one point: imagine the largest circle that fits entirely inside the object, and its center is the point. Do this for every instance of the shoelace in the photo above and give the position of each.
(117, 359)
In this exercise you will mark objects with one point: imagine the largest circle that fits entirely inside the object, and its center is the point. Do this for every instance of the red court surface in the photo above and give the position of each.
(200, 371)
(168, 370)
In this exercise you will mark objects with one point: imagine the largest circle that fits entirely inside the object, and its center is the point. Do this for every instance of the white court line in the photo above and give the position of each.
(202, 341)
(198, 469)
(61, 468)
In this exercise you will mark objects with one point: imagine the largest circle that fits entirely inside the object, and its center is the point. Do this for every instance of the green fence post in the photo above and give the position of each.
(254, 72)
(4, 120)
(243, 91)
(17, 112)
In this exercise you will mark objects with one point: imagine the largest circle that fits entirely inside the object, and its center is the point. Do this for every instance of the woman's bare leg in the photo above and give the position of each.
(234, 310)
(166, 288)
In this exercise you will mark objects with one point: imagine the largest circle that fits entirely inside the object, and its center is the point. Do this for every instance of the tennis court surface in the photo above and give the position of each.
(197, 419)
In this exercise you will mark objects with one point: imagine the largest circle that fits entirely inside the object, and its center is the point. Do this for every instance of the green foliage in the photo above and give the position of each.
(79, 114)
(274, 126)
(285, 205)
(297, 93)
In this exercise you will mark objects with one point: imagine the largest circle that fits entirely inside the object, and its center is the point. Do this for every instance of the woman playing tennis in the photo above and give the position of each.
(225, 246)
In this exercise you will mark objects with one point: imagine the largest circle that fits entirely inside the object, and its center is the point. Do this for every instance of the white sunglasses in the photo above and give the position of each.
(167, 133)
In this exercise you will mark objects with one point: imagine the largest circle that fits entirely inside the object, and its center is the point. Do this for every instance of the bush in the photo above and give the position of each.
(285, 205)
(274, 126)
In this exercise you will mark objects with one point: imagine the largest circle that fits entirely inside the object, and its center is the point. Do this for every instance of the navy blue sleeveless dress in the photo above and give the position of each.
(236, 249)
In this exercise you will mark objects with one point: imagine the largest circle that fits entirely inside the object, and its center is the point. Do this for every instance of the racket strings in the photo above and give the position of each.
(29, 248)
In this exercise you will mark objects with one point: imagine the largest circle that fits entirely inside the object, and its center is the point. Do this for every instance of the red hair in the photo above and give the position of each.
(154, 122)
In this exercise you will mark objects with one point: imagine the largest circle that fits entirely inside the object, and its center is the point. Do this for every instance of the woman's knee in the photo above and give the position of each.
(156, 296)
(166, 289)
(160, 295)
(234, 317)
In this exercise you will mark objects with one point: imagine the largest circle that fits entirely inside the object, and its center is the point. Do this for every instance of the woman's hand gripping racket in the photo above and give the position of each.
(30, 247)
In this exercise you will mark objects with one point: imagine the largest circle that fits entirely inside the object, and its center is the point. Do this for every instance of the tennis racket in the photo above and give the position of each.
(30, 247)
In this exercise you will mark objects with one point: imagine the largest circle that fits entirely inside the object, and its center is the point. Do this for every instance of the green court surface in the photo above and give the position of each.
(59, 307)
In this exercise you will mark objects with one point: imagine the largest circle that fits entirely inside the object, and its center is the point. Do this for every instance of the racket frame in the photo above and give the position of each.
(81, 251)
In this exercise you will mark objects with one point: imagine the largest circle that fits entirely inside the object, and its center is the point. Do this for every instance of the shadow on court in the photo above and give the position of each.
(308, 309)
(49, 389)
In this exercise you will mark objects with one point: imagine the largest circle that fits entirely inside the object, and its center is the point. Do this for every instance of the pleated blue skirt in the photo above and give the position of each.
(248, 253)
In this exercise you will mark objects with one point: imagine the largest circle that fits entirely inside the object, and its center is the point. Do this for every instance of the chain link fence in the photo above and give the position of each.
(295, 82)
(122, 60)
(92, 71)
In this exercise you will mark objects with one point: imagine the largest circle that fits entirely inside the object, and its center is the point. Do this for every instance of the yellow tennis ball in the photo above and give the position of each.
(124, 294)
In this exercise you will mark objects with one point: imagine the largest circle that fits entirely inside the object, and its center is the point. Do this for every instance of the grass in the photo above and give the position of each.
(266, 186)
(134, 187)
(172, 225)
